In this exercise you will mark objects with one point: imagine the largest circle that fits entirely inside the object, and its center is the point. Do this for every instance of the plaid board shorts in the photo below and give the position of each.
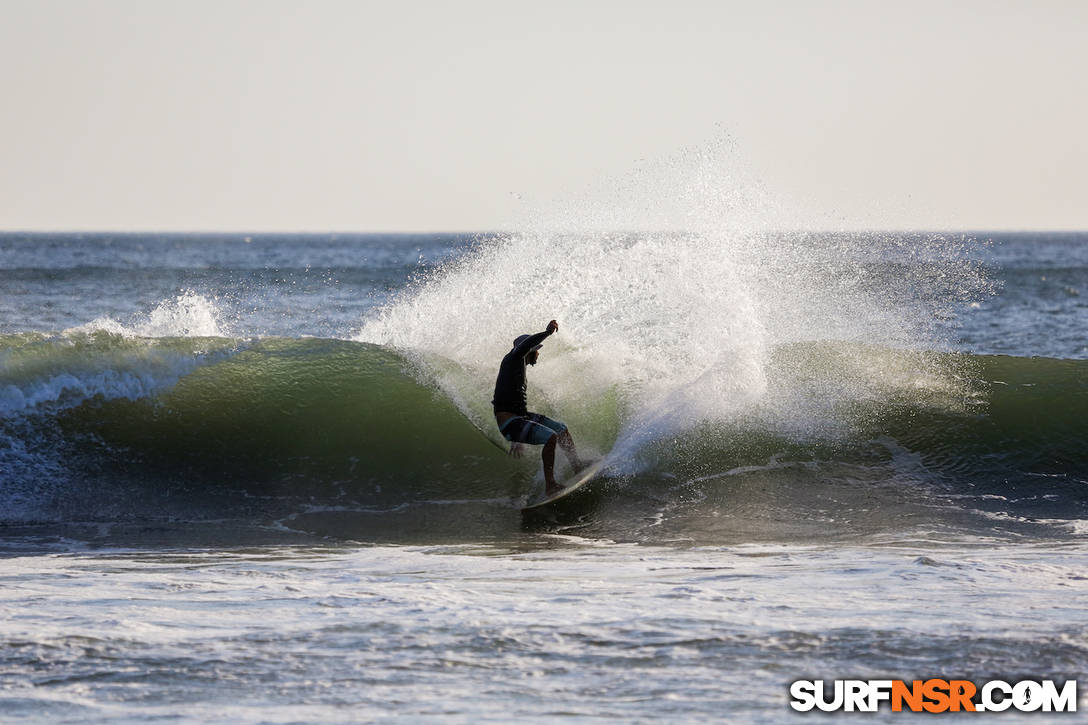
(533, 428)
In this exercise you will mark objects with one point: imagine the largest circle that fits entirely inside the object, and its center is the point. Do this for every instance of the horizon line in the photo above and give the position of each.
(498, 232)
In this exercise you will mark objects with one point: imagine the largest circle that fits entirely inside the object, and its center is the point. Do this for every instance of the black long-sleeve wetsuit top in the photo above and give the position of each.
(510, 383)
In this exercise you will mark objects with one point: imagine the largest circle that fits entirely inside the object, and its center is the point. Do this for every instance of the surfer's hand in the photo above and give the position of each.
(553, 326)
(516, 449)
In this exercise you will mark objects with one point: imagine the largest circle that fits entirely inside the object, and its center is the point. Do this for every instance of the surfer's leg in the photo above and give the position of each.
(529, 429)
(548, 455)
(566, 442)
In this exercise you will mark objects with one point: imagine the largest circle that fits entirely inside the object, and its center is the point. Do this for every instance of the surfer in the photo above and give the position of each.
(516, 423)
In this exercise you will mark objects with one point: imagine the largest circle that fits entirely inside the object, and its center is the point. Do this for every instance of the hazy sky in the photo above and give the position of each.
(374, 116)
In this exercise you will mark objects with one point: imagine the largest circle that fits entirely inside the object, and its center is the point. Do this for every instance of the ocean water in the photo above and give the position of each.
(254, 478)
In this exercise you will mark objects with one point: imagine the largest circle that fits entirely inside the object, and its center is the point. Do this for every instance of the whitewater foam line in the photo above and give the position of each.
(68, 391)
(62, 372)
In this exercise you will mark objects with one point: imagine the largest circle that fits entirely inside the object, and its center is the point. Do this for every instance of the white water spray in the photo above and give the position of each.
(673, 287)
(187, 315)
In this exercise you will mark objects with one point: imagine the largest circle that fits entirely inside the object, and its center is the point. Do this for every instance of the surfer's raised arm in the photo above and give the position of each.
(527, 343)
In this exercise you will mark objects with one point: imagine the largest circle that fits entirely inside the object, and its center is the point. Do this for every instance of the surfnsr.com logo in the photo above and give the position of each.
(934, 695)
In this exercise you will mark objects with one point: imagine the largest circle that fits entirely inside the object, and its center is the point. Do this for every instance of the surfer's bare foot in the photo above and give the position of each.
(552, 488)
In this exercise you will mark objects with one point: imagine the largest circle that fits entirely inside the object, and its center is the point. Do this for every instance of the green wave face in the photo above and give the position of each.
(1027, 418)
(302, 412)
(334, 419)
